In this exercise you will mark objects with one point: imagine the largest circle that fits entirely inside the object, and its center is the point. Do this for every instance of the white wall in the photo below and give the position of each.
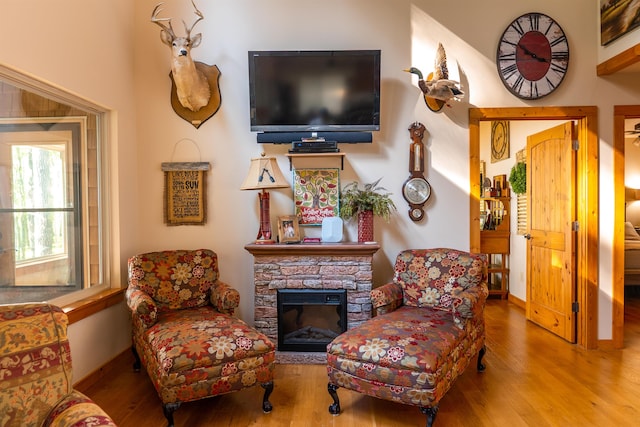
(111, 53)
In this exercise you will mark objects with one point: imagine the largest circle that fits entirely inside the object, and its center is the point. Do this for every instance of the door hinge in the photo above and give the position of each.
(575, 307)
(575, 145)
(575, 226)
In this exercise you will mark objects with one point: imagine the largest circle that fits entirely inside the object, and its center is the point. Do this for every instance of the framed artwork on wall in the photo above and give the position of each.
(499, 140)
(316, 194)
(618, 18)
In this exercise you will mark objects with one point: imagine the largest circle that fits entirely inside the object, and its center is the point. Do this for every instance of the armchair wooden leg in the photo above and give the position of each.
(431, 413)
(334, 408)
(168, 409)
(481, 366)
(136, 363)
(266, 405)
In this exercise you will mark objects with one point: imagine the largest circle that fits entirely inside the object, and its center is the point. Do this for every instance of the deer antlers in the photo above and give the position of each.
(169, 29)
(192, 85)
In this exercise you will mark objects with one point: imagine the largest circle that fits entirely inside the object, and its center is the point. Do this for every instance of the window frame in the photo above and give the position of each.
(106, 280)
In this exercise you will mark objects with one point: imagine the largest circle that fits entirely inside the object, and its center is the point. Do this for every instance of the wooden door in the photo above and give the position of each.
(551, 184)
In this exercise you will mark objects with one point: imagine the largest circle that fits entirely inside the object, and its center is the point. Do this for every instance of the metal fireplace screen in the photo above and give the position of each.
(310, 319)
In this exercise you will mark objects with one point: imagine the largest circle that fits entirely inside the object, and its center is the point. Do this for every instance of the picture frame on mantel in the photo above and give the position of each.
(288, 229)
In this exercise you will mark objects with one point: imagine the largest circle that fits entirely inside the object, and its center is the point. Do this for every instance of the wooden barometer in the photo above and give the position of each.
(416, 189)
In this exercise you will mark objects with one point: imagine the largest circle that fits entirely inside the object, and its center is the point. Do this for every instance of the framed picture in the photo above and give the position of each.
(185, 193)
(288, 229)
(500, 182)
(316, 194)
(500, 143)
(617, 18)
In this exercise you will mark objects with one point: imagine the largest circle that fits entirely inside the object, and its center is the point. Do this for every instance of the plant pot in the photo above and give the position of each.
(365, 226)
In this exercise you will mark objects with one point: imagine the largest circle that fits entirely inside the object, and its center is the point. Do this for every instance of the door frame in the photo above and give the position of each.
(587, 195)
(620, 114)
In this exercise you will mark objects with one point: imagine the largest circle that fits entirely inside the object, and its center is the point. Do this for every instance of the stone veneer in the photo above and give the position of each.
(311, 266)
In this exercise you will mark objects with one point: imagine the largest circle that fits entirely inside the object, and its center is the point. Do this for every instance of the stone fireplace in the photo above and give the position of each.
(321, 266)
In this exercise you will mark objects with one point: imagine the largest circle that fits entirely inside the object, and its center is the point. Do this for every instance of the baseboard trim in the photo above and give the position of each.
(516, 301)
(607, 345)
(97, 375)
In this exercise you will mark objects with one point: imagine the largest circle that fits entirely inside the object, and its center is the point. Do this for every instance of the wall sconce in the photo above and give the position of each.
(264, 173)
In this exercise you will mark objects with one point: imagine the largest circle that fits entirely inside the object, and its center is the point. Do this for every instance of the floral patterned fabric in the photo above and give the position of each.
(438, 278)
(412, 353)
(183, 330)
(35, 369)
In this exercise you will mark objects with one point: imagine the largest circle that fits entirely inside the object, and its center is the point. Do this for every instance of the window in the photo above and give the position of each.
(52, 234)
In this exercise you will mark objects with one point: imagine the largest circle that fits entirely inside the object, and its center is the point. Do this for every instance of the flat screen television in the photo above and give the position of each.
(302, 94)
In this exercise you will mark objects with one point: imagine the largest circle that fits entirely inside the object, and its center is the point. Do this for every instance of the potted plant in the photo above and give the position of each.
(518, 178)
(365, 202)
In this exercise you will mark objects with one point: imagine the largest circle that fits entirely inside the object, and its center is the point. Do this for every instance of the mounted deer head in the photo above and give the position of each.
(192, 86)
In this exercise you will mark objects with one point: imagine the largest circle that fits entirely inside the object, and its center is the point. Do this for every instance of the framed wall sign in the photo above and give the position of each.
(316, 194)
(185, 193)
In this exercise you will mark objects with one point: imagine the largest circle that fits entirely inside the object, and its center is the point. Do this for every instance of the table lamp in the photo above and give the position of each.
(264, 173)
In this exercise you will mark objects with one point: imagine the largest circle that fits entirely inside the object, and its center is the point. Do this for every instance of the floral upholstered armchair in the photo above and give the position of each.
(35, 371)
(428, 325)
(184, 332)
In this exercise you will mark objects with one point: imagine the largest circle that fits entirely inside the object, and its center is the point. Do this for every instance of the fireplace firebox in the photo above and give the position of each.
(309, 319)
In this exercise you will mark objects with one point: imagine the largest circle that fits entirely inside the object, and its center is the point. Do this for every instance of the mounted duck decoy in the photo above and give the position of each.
(437, 90)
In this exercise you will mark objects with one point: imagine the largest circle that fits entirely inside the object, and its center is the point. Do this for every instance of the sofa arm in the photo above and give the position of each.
(142, 306)
(224, 298)
(386, 298)
(469, 303)
(77, 409)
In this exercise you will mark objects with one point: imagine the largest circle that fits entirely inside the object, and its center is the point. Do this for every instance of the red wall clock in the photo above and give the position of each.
(533, 56)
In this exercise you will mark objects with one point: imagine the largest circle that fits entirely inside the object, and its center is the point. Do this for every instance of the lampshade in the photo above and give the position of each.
(264, 173)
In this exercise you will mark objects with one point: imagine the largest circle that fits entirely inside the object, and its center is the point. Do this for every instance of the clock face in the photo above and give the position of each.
(533, 56)
(416, 214)
(416, 191)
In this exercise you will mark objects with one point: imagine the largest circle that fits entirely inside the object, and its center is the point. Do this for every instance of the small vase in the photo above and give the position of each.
(365, 226)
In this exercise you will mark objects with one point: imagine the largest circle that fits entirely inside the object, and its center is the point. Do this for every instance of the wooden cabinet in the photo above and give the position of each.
(495, 242)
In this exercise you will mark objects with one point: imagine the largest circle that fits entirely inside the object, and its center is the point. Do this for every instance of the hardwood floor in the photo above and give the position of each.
(532, 379)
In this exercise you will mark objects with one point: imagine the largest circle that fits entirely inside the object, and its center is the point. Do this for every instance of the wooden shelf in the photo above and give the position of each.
(314, 249)
(620, 61)
(291, 156)
(495, 244)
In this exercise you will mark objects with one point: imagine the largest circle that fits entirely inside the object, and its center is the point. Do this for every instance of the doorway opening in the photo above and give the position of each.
(621, 113)
(587, 199)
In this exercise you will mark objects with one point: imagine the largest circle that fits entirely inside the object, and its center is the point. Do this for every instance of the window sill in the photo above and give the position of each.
(79, 310)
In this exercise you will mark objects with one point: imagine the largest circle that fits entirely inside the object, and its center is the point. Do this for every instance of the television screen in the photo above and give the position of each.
(297, 91)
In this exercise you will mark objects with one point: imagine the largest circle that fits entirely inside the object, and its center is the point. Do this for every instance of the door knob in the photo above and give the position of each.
(527, 236)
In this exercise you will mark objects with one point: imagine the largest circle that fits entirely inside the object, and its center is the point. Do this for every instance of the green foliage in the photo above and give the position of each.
(354, 199)
(518, 178)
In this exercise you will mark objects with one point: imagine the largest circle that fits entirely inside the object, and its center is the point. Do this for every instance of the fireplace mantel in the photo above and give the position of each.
(343, 249)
